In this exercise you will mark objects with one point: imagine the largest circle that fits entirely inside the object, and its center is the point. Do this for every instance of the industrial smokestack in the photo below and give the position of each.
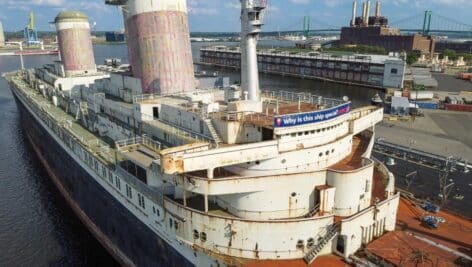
(364, 9)
(2, 35)
(75, 43)
(250, 29)
(158, 40)
(377, 9)
(354, 13)
(367, 13)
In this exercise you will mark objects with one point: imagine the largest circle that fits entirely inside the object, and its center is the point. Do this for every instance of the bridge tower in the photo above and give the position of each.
(427, 22)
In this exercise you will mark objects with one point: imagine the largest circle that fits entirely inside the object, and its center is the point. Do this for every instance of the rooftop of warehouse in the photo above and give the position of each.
(335, 55)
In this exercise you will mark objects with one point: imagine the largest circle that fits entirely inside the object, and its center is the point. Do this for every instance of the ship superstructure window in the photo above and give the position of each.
(141, 200)
(118, 183)
(129, 191)
(110, 176)
(135, 170)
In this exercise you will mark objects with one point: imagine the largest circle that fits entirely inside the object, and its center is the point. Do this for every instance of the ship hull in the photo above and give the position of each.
(130, 241)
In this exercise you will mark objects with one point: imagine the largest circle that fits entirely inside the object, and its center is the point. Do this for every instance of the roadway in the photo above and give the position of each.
(425, 184)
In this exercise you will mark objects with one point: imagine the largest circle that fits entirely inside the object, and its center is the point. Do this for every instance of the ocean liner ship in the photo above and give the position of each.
(165, 172)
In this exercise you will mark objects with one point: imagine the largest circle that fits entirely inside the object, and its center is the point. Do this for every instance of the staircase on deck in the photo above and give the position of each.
(330, 233)
(214, 134)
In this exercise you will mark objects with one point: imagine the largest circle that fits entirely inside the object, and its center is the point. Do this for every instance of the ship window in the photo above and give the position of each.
(321, 154)
(141, 201)
(110, 176)
(332, 150)
(154, 210)
(318, 130)
(170, 222)
(195, 234)
(313, 131)
(300, 134)
(300, 244)
(306, 133)
(367, 186)
(118, 183)
(327, 153)
(394, 71)
(203, 237)
(176, 225)
(293, 134)
(129, 191)
(258, 162)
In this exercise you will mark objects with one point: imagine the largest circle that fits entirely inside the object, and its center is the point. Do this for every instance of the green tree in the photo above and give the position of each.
(451, 54)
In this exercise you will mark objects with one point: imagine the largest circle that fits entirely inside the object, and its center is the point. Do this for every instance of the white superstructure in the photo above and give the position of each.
(222, 178)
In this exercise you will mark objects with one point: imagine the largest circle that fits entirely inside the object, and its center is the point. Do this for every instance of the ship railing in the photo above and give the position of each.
(139, 140)
(302, 97)
(240, 116)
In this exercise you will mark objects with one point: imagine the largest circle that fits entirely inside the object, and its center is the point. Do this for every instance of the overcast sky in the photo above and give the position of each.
(223, 15)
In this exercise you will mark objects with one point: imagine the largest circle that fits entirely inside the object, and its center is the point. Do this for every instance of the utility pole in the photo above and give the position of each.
(445, 186)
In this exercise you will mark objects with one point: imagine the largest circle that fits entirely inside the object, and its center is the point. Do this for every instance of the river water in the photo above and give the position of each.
(37, 228)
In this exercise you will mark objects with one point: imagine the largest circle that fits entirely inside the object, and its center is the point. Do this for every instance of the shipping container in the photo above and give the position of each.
(427, 105)
(458, 107)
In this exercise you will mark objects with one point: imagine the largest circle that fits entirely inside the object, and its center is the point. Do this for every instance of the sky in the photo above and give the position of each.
(223, 15)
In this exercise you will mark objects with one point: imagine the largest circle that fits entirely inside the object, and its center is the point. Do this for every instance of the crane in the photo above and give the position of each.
(30, 34)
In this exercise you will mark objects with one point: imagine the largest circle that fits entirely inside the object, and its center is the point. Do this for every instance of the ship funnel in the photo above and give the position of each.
(354, 13)
(377, 9)
(251, 24)
(75, 43)
(158, 41)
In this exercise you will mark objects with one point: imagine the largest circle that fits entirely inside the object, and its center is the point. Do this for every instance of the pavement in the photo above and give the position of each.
(425, 184)
(440, 132)
(451, 83)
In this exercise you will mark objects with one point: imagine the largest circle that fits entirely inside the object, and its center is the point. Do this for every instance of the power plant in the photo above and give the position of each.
(75, 44)
(158, 41)
(375, 31)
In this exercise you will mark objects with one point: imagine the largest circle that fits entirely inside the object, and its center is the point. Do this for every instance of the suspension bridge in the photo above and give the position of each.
(427, 23)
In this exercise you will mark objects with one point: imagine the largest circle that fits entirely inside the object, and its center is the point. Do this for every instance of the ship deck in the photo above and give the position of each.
(92, 142)
(354, 160)
(267, 119)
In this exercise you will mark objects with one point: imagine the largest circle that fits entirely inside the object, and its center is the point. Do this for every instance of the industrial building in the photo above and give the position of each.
(371, 70)
(2, 35)
(460, 46)
(374, 31)
(115, 37)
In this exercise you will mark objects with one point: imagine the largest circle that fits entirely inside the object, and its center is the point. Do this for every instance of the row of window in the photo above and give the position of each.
(94, 164)
(315, 131)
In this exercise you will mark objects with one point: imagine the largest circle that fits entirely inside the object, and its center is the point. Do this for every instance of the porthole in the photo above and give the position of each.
(306, 133)
(318, 131)
(284, 161)
(294, 194)
(327, 153)
(258, 162)
(300, 244)
(321, 154)
(332, 150)
(310, 242)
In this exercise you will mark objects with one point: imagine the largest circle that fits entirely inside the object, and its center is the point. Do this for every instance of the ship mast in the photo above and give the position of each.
(251, 24)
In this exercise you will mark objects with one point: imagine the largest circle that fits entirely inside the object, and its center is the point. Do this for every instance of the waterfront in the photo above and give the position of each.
(35, 218)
